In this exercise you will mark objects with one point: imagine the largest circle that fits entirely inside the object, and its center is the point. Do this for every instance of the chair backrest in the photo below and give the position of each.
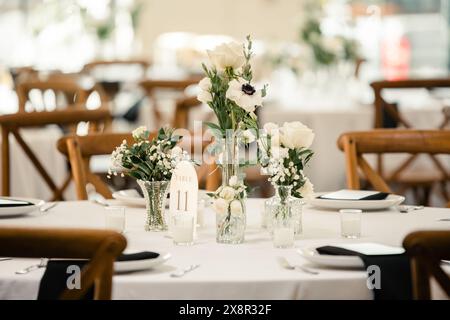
(79, 150)
(12, 123)
(426, 250)
(380, 141)
(151, 86)
(144, 64)
(73, 87)
(100, 247)
(382, 107)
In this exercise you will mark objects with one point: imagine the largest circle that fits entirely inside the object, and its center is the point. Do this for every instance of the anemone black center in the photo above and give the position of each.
(248, 89)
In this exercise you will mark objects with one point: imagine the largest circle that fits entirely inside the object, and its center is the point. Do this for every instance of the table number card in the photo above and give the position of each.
(183, 191)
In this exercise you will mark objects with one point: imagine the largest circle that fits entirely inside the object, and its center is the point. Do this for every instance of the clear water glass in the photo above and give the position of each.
(115, 218)
(183, 229)
(350, 223)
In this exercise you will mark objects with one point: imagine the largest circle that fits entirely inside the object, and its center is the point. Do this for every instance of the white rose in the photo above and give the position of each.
(205, 84)
(279, 152)
(248, 136)
(220, 206)
(176, 151)
(204, 96)
(227, 55)
(270, 128)
(236, 207)
(139, 133)
(307, 190)
(233, 181)
(244, 95)
(227, 193)
(296, 135)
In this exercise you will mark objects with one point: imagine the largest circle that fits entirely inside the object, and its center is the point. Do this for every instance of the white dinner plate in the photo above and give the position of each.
(332, 261)
(390, 201)
(138, 265)
(132, 198)
(21, 210)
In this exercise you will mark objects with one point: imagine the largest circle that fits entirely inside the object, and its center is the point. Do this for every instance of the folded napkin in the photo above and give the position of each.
(354, 195)
(8, 203)
(395, 277)
(56, 275)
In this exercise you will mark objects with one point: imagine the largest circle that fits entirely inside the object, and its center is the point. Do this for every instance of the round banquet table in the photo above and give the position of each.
(246, 271)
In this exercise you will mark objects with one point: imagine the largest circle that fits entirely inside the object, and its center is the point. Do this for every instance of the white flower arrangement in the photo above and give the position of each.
(284, 155)
(147, 160)
(227, 199)
(228, 89)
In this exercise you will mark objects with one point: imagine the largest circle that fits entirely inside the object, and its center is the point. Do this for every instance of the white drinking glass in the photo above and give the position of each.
(283, 231)
(350, 223)
(183, 229)
(115, 218)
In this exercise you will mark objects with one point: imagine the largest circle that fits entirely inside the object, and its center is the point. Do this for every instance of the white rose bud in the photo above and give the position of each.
(227, 55)
(236, 207)
(220, 206)
(307, 190)
(296, 135)
(227, 193)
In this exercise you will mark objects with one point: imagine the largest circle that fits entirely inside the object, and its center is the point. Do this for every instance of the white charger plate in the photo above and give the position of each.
(390, 201)
(20, 210)
(139, 265)
(332, 261)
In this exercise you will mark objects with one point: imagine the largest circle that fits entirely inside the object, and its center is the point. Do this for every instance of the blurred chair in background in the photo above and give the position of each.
(384, 141)
(13, 123)
(389, 115)
(100, 247)
(427, 249)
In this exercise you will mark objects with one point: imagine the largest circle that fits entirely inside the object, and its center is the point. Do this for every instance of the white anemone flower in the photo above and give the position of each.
(244, 94)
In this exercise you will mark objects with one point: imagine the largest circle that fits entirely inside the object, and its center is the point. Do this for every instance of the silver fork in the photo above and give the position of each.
(406, 209)
(181, 272)
(100, 202)
(50, 206)
(285, 264)
(41, 264)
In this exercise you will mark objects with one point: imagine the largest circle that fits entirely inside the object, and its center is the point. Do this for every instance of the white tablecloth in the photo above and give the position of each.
(246, 271)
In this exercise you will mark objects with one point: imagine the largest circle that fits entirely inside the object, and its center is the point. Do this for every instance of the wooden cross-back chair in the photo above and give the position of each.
(381, 141)
(12, 123)
(112, 88)
(73, 87)
(151, 86)
(388, 115)
(100, 247)
(80, 149)
(426, 250)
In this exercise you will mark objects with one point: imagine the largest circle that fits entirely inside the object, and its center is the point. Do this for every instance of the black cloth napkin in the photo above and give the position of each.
(376, 196)
(14, 203)
(395, 277)
(56, 274)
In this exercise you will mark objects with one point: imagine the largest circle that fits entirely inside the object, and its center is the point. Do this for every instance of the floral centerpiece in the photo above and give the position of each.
(229, 92)
(284, 155)
(151, 162)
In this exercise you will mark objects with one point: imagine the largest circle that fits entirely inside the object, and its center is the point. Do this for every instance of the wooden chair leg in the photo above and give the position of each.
(5, 162)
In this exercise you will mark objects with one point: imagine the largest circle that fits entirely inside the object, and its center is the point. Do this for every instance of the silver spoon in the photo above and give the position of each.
(285, 264)
(33, 267)
(181, 272)
(406, 209)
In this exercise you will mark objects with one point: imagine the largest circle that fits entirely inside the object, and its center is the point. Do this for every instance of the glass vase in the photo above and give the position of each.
(283, 206)
(231, 225)
(155, 194)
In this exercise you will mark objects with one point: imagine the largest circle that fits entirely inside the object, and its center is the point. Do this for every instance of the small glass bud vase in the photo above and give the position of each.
(231, 224)
(286, 214)
(155, 194)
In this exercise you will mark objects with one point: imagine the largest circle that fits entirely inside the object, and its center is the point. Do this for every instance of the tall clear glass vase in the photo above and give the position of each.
(231, 225)
(155, 194)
